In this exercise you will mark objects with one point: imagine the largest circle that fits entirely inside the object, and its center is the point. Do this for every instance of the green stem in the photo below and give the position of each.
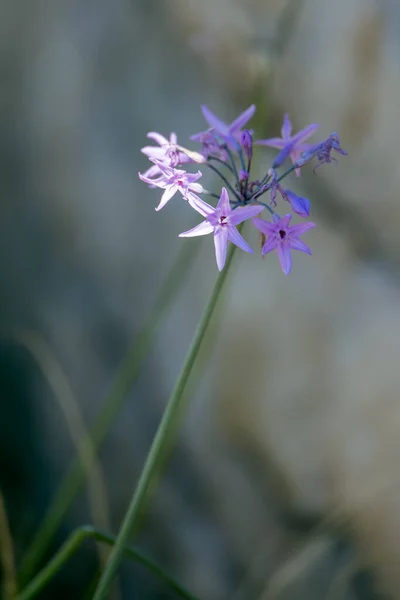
(129, 371)
(72, 544)
(224, 179)
(166, 428)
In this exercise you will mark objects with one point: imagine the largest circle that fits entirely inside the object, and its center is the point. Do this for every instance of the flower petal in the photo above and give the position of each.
(282, 156)
(270, 244)
(202, 229)
(285, 257)
(167, 195)
(157, 137)
(297, 230)
(150, 174)
(305, 133)
(160, 182)
(297, 244)
(154, 151)
(198, 204)
(286, 127)
(237, 239)
(300, 205)
(283, 223)
(214, 121)
(272, 143)
(221, 243)
(223, 206)
(242, 119)
(243, 213)
(264, 226)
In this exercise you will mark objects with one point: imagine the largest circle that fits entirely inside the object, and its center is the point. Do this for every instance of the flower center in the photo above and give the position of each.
(222, 220)
(282, 234)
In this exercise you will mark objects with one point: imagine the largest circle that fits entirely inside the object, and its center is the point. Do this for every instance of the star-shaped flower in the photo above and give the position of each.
(289, 145)
(230, 134)
(222, 221)
(174, 180)
(282, 238)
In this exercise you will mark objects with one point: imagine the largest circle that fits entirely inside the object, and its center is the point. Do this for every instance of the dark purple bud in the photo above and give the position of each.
(246, 141)
(300, 205)
(243, 175)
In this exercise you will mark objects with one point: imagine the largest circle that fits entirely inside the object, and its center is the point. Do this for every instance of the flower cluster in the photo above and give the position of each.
(227, 149)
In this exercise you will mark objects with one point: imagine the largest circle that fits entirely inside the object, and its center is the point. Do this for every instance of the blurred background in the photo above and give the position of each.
(285, 481)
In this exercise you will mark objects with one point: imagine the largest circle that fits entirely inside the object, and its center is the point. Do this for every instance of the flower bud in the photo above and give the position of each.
(246, 141)
(300, 205)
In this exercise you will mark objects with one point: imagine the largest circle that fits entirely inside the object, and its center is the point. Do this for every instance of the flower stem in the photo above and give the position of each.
(289, 170)
(212, 157)
(166, 429)
(72, 544)
(224, 179)
(234, 168)
(127, 375)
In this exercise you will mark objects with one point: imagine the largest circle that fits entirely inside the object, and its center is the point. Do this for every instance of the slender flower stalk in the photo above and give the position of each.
(165, 431)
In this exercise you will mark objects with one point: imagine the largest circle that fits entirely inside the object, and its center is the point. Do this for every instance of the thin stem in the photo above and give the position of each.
(234, 168)
(241, 158)
(224, 179)
(166, 429)
(72, 544)
(262, 183)
(212, 157)
(126, 377)
(246, 183)
(266, 206)
(289, 170)
(9, 579)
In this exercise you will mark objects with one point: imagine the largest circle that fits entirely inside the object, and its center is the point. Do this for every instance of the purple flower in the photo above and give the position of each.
(282, 238)
(230, 134)
(289, 145)
(222, 221)
(322, 151)
(174, 180)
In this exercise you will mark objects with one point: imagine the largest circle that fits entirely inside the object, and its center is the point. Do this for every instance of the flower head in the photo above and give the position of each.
(173, 180)
(230, 134)
(167, 152)
(222, 221)
(282, 237)
(289, 145)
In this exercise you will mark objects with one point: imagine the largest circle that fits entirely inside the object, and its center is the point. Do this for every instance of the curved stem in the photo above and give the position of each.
(289, 170)
(162, 439)
(212, 157)
(266, 206)
(129, 371)
(234, 168)
(72, 544)
(224, 179)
